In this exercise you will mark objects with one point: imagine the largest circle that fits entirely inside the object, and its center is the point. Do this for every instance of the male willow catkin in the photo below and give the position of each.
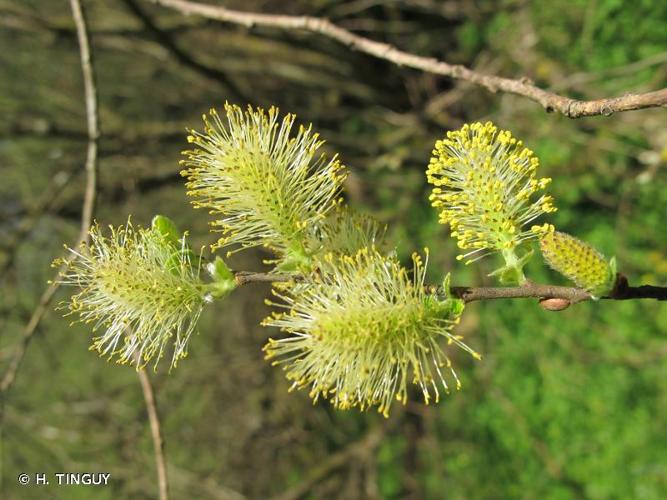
(359, 328)
(266, 183)
(486, 189)
(141, 288)
(363, 329)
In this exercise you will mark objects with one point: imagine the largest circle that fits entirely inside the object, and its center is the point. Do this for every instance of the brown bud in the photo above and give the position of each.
(554, 304)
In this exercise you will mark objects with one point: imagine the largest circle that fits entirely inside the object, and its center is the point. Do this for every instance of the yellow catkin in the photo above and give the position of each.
(363, 331)
(578, 261)
(141, 292)
(265, 182)
(486, 189)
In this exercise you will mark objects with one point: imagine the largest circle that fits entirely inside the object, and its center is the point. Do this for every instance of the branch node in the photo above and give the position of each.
(554, 304)
(606, 110)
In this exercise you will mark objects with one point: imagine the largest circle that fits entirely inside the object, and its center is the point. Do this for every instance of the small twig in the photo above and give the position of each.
(92, 121)
(571, 108)
(526, 291)
(622, 290)
(243, 277)
(156, 434)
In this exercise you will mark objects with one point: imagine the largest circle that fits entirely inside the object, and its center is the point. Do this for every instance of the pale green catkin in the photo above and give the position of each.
(141, 289)
(579, 262)
(265, 183)
(363, 330)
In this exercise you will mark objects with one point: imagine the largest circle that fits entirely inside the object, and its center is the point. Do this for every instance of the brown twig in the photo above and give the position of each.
(93, 131)
(243, 277)
(525, 291)
(550, 101)
(156, 434)
(622, 290)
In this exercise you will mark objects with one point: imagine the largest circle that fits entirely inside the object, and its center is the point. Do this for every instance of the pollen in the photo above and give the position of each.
(491, 192)
(366, 329)
(141, 288)
(264, 180)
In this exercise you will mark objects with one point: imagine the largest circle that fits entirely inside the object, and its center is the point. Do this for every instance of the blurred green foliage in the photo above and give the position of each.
(566, 405)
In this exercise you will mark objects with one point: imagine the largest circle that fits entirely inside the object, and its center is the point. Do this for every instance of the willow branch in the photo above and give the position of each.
(529, 290)
(93, 132)
(156, 434)
(622, 291)
(572, 108)
(245, 277)
(525, 291)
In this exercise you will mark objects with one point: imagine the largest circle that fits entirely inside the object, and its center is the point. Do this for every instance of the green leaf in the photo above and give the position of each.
(222, 288)
(182, 254)
(224, 280)
(219, 270)
(167, 228)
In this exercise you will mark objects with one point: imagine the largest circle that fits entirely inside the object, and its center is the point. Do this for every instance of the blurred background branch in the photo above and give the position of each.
(156, 432)
(623, 290)
(571, 108)
(90, 168)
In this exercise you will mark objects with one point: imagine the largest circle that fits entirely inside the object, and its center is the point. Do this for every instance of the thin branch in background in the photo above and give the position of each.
(156, 434)
(93, 130)
(572, 108)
